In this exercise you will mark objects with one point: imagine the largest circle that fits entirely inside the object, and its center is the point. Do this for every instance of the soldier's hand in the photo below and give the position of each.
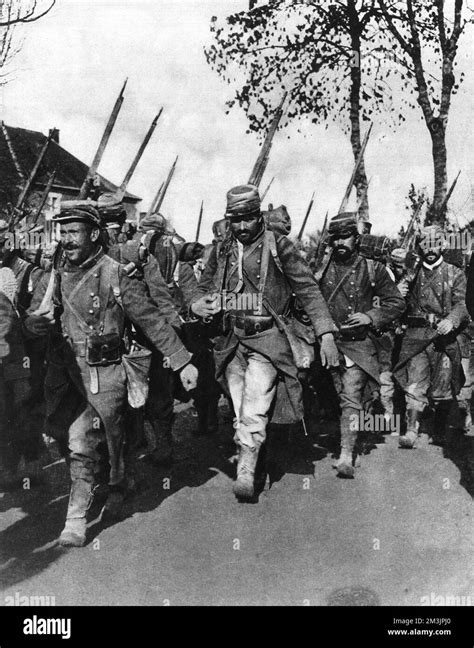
(358, 318)
(39, 323)
(403, 287)
(444, 327)
(206, 306)
(329, 352)
(189, 376)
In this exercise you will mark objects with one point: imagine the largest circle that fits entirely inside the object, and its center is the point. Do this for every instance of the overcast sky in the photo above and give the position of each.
(74, 61)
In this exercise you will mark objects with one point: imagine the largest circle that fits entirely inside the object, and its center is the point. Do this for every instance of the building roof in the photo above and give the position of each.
(19, 150)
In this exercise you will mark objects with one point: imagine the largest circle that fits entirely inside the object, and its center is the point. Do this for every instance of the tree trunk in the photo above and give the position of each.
(361, 177)
(437, 212)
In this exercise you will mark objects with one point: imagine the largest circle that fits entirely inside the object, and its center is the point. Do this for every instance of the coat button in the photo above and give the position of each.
(96, 274)
(259, 261)
(352, 283)
(258, 276)
(91, 312)
(92, 294)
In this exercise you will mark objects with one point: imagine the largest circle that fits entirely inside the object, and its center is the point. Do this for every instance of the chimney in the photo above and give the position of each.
(54, 132)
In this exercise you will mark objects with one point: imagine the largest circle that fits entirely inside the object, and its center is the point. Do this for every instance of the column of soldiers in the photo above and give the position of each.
(122, 326)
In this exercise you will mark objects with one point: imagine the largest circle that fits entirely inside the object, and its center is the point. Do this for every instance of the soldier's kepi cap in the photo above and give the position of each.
(344, 224)
(242, 200)
(155, 222)
(112, 211)
(84, 211)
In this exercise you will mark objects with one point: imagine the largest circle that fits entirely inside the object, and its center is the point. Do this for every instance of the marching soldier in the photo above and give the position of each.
(87, 381)
(430, 359)
(362, 299)
(252, 277)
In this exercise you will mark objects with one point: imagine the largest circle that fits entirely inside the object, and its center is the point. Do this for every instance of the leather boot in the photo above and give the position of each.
(344, 465)
(440, 433)
(245, 483)
(162, 452)
(80, 500)
(465, 420)
(408, 440)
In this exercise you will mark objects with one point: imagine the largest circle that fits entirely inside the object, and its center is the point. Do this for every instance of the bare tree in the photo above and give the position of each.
(428, 39)
(12, 14)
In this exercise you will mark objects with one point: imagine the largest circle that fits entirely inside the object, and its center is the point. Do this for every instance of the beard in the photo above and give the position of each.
(343, 252)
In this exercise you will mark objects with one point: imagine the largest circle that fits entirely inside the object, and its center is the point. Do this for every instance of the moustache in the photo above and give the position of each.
(70, 247)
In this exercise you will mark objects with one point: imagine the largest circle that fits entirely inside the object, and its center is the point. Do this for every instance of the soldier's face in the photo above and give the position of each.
(343, 246)
(430, 254)
(246, 228)
(79, 241)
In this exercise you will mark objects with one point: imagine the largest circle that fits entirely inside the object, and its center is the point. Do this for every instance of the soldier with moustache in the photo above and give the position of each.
(86, 382)
(254, 360)
(362, 301)
(430, 367)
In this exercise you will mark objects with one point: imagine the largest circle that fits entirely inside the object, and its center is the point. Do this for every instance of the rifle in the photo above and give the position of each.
(162, 193)
(308, 211)
(84, 190)
(199, 221)
(17, 210)
(48, 303)
(357, 164)
(121, 191)
(44, 198)
(267, 189)
(411, 224)
(262, 160)
(323, 233)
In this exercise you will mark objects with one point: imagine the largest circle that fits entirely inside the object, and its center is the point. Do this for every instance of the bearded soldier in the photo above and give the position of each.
(86, 383)
(252, 276)
(362, 299)
(430, 357)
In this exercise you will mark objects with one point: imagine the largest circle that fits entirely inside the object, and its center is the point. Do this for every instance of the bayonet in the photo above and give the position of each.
(162, 194)
(44, 197)
(308, 212)
(84, 190)
(267, 189)
(262, 160)
(355, 171)
(121, 191)
(17, 211)
(198, 230)
(448, 195)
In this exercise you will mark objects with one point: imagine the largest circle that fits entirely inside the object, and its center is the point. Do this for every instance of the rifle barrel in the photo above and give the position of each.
(103, 143)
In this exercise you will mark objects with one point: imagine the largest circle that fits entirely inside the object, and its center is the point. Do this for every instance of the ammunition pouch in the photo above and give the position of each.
(103, 350)
(353, 333)
(421, 321)
(251, 324)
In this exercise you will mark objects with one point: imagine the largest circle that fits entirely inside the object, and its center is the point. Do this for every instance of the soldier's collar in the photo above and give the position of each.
(434, 265)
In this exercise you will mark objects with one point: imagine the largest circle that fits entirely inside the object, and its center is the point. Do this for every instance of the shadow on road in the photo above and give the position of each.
(28, 545)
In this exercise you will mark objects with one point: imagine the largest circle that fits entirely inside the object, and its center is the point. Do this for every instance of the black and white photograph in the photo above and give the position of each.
(236, 310)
